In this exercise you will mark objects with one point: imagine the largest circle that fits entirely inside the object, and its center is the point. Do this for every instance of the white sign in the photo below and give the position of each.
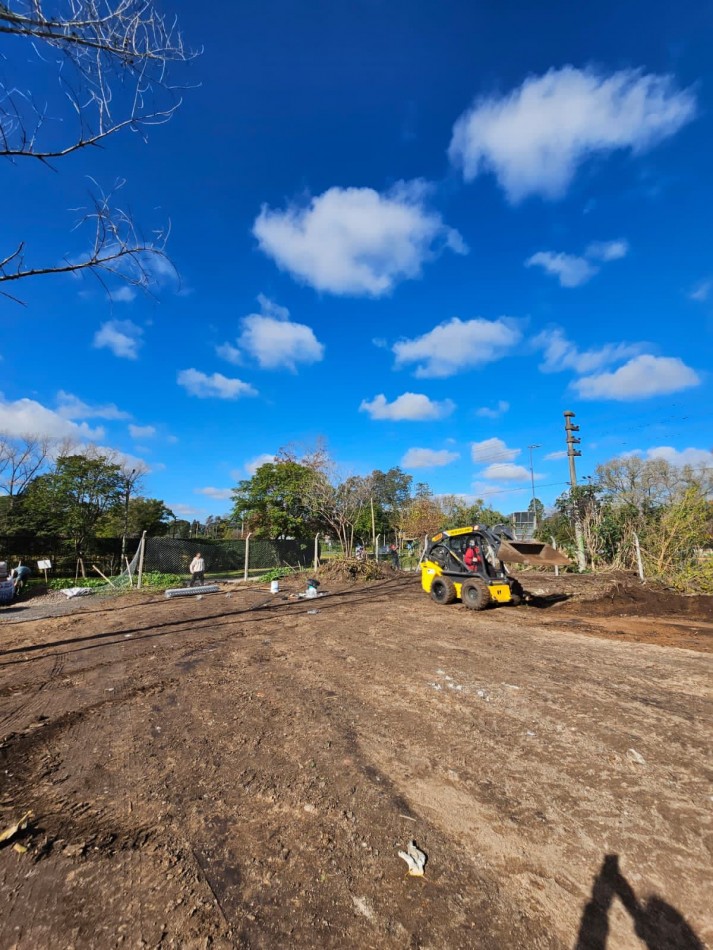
(44, 565)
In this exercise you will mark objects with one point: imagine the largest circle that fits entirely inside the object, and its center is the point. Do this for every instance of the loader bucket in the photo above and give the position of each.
(531, 552)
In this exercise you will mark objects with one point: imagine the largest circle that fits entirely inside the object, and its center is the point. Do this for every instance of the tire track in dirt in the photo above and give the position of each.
(27, 705)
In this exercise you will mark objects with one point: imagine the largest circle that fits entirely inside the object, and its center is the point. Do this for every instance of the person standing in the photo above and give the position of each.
(197, 569)
(394, 552)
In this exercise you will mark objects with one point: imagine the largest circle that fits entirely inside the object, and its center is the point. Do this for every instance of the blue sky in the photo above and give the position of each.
(420, 230)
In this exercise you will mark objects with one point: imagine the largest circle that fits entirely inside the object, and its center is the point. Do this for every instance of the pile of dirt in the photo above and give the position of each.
(615, 592)
(352, 569)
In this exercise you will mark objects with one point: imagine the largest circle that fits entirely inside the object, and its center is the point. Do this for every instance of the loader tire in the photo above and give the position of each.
(517, 594)
(475, 594)
(443, 591)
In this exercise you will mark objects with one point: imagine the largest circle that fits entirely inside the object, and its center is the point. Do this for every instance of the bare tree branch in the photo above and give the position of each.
(21, 458)
(117, 249)
(111, 61)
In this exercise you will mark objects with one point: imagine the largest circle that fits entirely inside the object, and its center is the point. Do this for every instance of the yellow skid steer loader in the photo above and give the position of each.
(470, 564)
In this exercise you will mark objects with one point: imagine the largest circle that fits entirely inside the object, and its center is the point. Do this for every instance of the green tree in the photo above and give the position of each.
(71, 500)
(389, 493)
(272, 502)
(538, 509)
(145, 514)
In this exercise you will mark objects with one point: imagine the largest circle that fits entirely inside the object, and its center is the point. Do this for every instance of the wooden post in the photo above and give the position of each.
(316, 551)
(247, 555)
(373, 523)
(376, 548)
(108, 580)
(554, 545)
(639, 562)
(142, 549)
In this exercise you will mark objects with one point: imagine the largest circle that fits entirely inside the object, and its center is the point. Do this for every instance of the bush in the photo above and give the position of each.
(276, 573)
(153, 580)
(157, 581)
(64, 583)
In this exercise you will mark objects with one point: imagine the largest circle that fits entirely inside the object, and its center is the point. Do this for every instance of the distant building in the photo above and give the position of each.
(523, 523)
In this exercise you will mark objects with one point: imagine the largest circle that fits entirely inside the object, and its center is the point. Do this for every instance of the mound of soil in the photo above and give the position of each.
(616, 593)
(351, 569)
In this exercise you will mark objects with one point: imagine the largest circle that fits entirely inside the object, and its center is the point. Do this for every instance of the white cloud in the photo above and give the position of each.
(458, 345)
(492, 450)
(122, 337)
(608, 250)
(555, 456)
(27, 417)
(560, 353)
(534, 138)
(273, 339)
(428, 458)
(571, 271)
(220, 494)
(252, 465)
(689, 456)
(72, 407)
(187, 511)
(123, 294)
(357, 240)
(229, 353)
(641, 378)
(507, 472)
(413, 407)
(215, 386)
(142, 432)
(702, 291)
(485, 490)
(486, 412)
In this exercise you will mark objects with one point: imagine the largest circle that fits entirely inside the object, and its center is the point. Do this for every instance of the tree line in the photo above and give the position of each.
(298, 494)
(51, 488)
(56, 489)
(666, 508)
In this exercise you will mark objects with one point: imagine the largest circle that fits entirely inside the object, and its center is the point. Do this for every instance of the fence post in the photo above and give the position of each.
(316, 551)
(554, 545)
(141, 561)
(247, 555)
(376, 548)
(639, 562)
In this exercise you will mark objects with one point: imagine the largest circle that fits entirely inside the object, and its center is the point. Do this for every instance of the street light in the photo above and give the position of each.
(535, 445)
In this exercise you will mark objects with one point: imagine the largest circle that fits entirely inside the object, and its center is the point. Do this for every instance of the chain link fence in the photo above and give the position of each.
(29, 549)
(173, 555)
(164, 555)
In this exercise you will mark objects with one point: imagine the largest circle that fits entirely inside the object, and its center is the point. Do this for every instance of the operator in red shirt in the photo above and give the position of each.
(472, 558)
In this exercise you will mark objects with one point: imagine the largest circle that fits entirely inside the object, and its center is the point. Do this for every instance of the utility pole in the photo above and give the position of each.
(532, 480)
(572, 453)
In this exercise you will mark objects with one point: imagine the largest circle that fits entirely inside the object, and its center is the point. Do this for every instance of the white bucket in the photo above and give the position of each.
(274, 587)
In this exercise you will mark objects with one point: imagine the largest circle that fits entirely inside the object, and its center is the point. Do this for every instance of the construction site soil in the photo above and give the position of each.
(240, 769)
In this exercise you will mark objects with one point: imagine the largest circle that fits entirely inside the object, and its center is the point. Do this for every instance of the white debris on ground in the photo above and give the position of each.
(414, 858)
(77, 591)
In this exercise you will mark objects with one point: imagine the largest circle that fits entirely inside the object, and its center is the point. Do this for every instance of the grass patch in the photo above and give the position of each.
(276, 573)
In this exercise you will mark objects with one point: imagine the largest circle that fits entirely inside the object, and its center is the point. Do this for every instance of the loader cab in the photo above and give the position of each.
(448, 550)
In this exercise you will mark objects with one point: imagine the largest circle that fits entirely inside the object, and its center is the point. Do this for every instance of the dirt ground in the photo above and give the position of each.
(240, 770)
